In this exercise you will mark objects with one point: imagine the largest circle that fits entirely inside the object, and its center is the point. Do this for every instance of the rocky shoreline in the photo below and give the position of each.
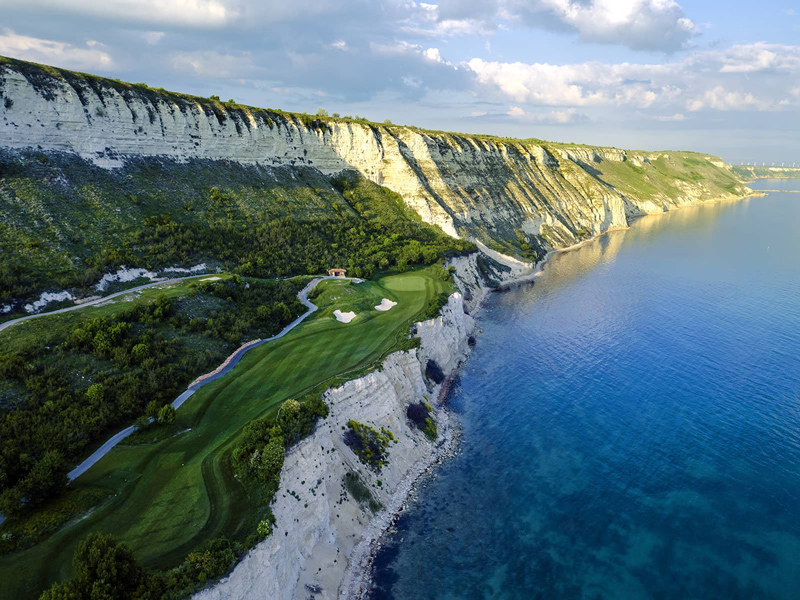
(357, 578)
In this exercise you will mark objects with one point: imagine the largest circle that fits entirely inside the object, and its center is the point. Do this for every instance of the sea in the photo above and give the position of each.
(630, 424)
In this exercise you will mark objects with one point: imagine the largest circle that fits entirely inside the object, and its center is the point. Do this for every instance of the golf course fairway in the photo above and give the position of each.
(169, 497)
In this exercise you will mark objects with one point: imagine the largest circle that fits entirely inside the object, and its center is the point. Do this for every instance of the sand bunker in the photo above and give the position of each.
(211, 279)
(385, 304)
(344, 317)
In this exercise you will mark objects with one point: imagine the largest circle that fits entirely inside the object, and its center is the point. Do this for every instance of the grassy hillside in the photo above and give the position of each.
(66, 222)
(172, 495)
(767, 172)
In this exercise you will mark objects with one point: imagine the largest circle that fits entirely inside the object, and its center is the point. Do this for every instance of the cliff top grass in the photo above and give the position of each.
(175, 494)
(45, 78)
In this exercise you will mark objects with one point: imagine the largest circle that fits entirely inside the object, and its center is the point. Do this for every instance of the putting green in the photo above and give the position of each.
(172, 496)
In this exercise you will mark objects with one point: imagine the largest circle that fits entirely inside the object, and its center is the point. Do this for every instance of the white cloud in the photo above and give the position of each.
(210, 63)
(433, 55)
(54, 53)
(191, 13)
(152, 37)
(719, 98)
(749, 58)
(668, 118)
(339, 45)
(560, 117)
(743, 77)
(582, 84)
(638, 24)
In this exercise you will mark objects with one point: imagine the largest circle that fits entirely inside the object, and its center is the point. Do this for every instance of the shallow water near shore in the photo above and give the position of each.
(631, 424)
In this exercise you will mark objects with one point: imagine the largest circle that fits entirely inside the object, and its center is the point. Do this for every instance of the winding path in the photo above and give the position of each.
(178, 402)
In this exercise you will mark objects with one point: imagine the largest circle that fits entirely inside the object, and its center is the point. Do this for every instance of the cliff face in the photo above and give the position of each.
(520, 197)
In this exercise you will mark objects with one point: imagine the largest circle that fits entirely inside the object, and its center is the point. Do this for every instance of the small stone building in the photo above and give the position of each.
(337, 272)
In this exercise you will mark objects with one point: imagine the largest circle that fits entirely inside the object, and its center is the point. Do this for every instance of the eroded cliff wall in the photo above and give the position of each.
(521, 197)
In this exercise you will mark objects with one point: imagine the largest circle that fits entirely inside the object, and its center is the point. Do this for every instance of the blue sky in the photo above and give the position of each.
(719, 77)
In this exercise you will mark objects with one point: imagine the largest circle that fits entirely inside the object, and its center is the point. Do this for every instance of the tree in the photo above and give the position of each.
(46, 478)
(291, 407)
(104, 570)
(321, 112)
(167, 414)
(271, 459)
(95, 394)
(140, 352)
(151, 410)
(387, 121)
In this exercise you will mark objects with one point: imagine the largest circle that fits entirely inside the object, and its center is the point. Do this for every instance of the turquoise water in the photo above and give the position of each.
(631, 425)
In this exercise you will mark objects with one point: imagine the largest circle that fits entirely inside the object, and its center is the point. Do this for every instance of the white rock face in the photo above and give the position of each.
(467, 185)
(45, 299)
(123, 275)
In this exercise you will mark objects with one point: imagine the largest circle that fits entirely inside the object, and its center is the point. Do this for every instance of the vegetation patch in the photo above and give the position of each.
(420, 415)
(434, 372)
(78, 380)
(368, 444)
(359, 491)
(66, 222)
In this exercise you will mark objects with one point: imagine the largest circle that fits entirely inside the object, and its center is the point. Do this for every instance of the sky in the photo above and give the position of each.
(709, 76)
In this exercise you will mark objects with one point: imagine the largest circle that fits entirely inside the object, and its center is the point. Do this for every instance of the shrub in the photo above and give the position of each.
(103, 569)
(433, 371)
(264, 528)
(419, 414)
(167, 414)
(360, 492)
(213, 561)
(368, 444)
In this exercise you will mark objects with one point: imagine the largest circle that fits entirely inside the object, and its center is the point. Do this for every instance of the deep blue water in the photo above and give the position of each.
(631, 424)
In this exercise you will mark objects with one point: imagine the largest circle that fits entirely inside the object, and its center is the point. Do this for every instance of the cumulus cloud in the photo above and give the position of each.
(743, 77)
(583, 84)
(668, 118)
(210, 63)
(718, 98)
(93, 56)
(638, 24)
(750, 58)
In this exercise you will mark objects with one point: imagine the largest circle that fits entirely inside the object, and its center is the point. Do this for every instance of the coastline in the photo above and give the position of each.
(357, 582)
(304, 558)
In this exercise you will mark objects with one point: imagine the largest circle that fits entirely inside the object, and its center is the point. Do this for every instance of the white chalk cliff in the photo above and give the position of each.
(476, 186)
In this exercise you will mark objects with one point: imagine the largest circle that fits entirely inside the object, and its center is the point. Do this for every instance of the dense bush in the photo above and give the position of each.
(135, 363)
(419, 413)
(104, 570)
(237, 217)
(107, 570)
(258, 455)
(434, 372)
(368, 444)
